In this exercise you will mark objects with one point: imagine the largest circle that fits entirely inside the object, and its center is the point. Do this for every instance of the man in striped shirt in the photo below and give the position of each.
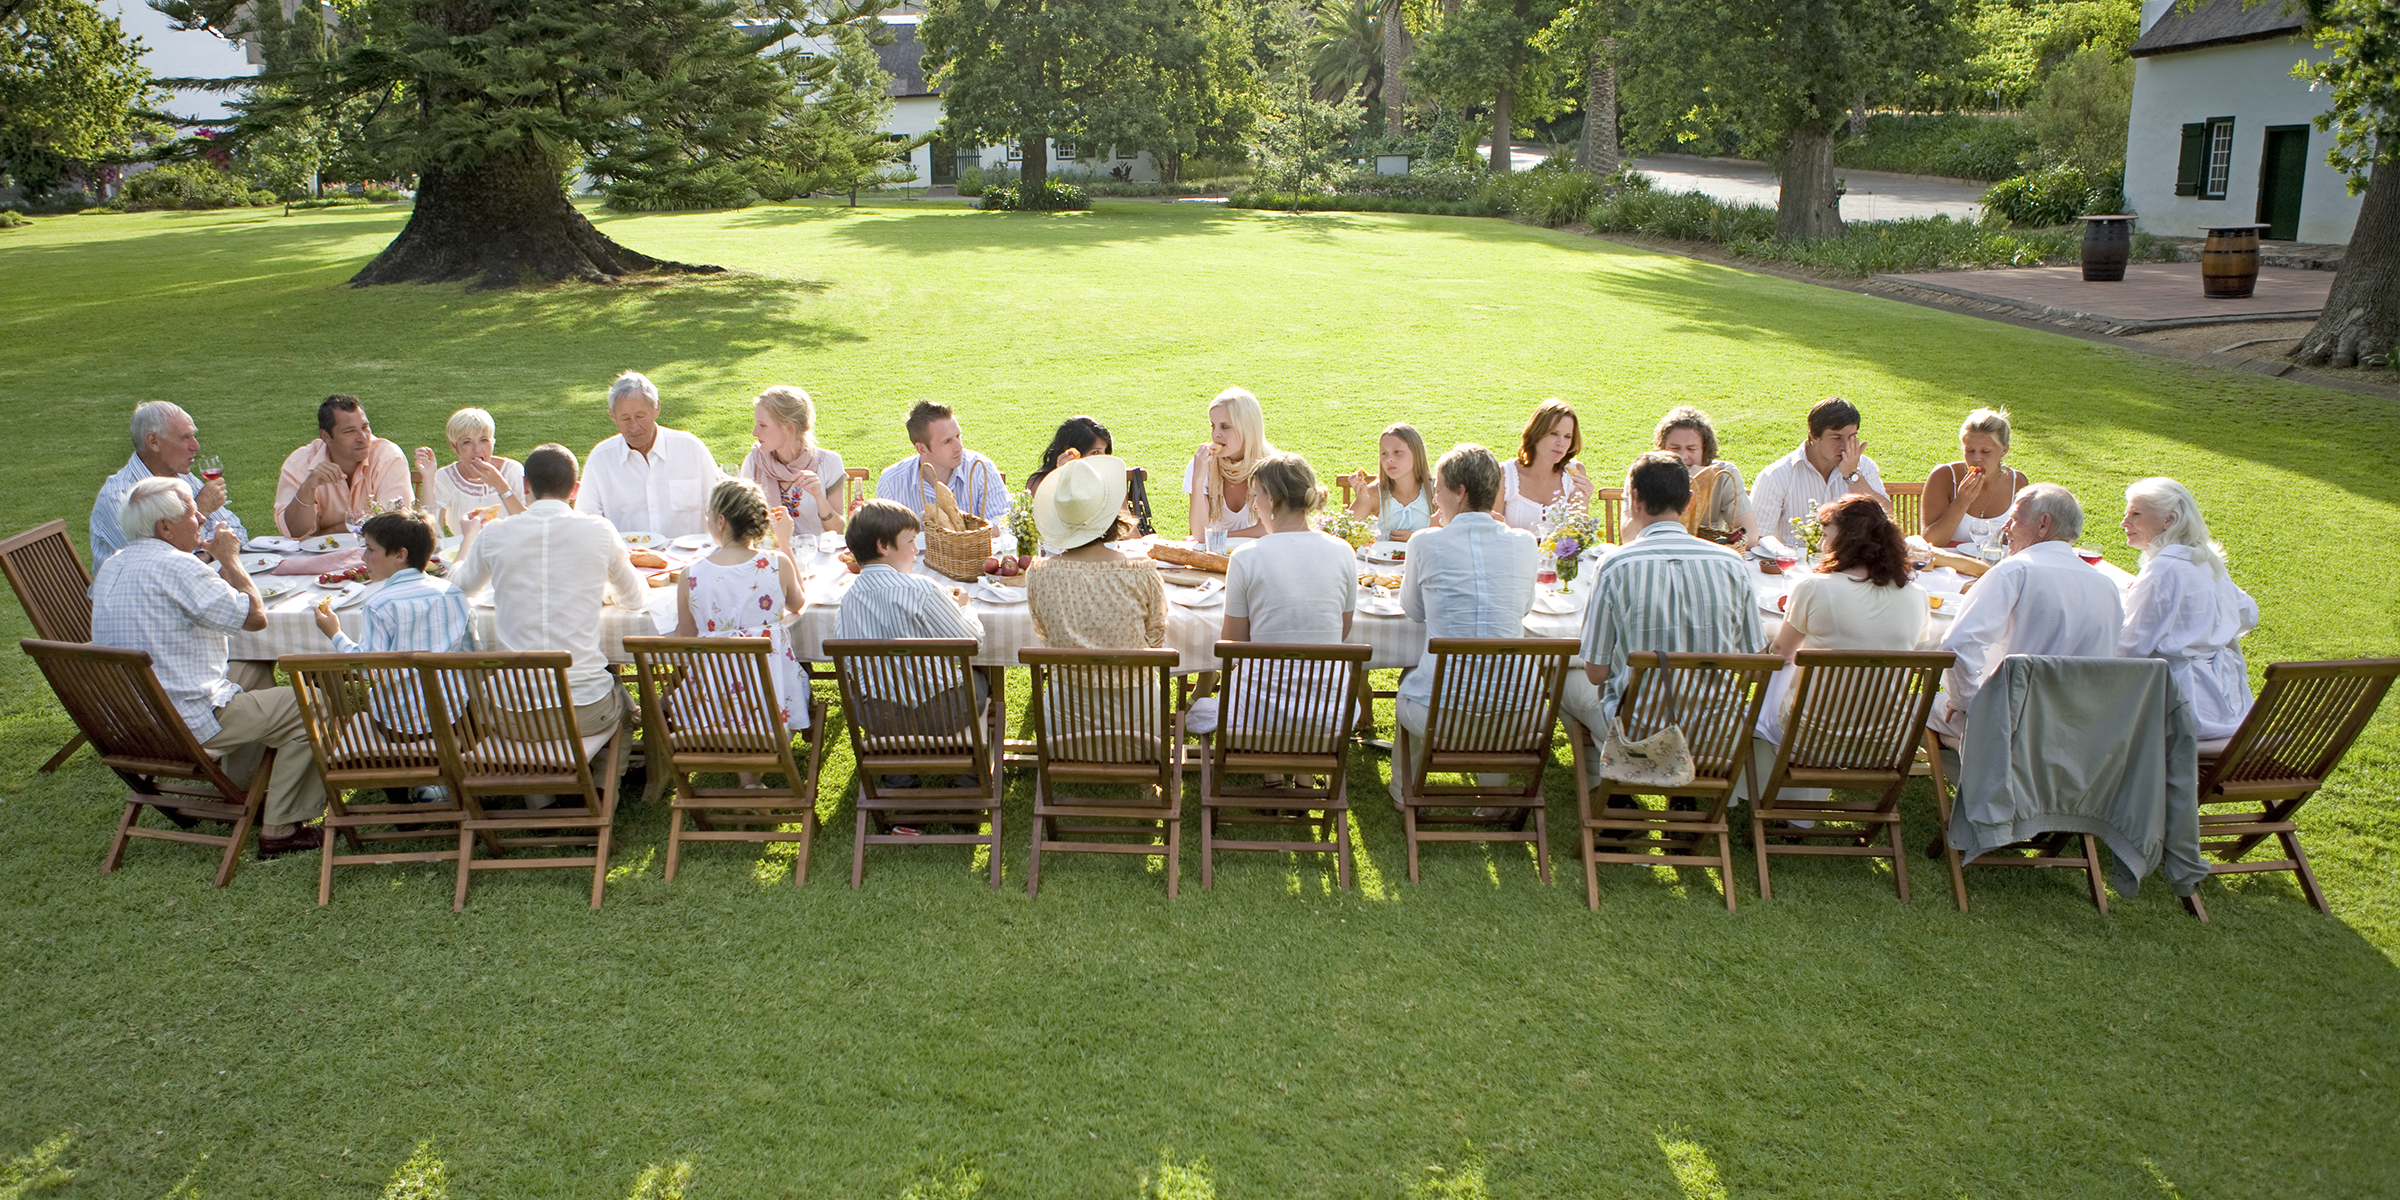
(1664, 590)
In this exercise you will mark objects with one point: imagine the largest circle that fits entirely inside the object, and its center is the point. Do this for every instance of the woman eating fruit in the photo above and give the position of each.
(1966, 501)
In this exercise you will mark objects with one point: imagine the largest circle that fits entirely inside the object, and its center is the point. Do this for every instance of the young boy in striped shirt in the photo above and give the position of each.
(412, 611)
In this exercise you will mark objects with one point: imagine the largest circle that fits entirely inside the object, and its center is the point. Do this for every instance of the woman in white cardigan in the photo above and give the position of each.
(2184, 606)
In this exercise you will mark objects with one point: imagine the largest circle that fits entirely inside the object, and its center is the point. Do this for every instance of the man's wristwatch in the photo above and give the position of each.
(1855, 476)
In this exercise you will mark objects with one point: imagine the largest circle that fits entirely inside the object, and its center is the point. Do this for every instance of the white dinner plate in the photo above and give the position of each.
(1379, 606)
(995, 592)
(1207, 595)
(269, 589)
(1773, 605)
(330, 541)
(1385, 552)
(255, 563)
(689, 541)
(644, 540)
(1557, 603)
(350, 595)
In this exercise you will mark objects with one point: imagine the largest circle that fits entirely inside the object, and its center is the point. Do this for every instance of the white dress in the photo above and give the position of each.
(1235, 518)
(455, 495)
(2182, 612)
(1519, 512)
(746, 600)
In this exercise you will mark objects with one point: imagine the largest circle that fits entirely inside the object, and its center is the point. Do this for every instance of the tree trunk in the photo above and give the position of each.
(1597, 153)
(2362, 312)
(1504, 120)
(1807, 206)
(1858, 114)
(1395, 60)
(501, 222)
(1035, 174)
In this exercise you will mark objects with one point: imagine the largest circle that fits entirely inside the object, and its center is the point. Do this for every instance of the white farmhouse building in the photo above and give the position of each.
(2220, 130)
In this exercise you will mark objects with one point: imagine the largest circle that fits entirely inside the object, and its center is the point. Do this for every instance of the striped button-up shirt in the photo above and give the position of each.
(976, 485)
(885, 603)
(1472, 578)
(412, 611)
(151, 596)
(108, 536)
(1667, 590)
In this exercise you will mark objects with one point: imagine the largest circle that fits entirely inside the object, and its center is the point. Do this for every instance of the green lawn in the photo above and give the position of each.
(1478, 1034)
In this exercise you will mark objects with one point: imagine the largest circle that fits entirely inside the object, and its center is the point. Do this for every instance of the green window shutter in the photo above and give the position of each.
(2193, 160)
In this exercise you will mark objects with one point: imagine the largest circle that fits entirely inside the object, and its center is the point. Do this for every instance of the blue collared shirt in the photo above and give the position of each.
(412, 611)
(108, 537)
(976, 485)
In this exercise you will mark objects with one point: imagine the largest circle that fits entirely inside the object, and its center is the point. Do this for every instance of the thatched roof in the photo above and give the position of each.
(2198, 24)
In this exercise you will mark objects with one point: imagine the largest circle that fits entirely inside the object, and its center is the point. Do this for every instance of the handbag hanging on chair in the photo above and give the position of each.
(1664, 759)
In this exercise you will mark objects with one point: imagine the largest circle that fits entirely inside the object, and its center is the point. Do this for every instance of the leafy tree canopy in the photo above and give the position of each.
(71, 88)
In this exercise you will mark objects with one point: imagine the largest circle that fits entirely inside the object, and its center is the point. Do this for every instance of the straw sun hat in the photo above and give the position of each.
(1079, 501)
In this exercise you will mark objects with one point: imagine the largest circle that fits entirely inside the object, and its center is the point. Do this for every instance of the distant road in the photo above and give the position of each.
(1872, 195)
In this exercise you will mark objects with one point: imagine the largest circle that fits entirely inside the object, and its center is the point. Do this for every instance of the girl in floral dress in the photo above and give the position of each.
(742, 590)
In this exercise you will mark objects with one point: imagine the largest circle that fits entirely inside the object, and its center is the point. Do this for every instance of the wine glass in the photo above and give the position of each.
(209, 467)
(356, 519)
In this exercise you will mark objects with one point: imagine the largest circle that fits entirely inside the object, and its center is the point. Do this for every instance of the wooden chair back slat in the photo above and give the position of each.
(365, 713)
(911, 696)
(1860, 712)
(2302, 723)
(1288, 699)
(1611, 503)
(1495, 696)
(1103, 707)
(1714, 697)
(519, 727)
(50, 581)
(115, 699)
(1908, 507)
(711, 695)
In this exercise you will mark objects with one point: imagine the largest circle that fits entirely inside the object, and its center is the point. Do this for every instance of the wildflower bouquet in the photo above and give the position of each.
(1020, 522)
(1574, 533)
(1351, 528)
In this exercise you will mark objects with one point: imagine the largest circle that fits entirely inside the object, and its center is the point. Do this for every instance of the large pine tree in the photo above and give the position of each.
(493, 104)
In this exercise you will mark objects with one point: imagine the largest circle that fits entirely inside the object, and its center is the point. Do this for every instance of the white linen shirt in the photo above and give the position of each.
(1790, 489)
(108, 536)
(976, 485)
(2182, 612)
(2040, 600)
(548, 569)
(1472, 578)
(663, 492)
(151, 596)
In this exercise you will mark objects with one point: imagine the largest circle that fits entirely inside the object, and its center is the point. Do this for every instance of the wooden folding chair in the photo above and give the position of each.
(2301, 725)
(1105, 718)
(1856, 722)
(52, 583)
(115, 699)
(369, 727)
(517, 738)
(1715, 699)
(1908, 507)
(1611, 502)
(910, 704)
(711, 704)
(1494, 707)
(2050, 850)
(1285, 709)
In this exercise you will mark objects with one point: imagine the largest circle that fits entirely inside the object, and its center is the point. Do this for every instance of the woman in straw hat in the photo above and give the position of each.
(1087, 594)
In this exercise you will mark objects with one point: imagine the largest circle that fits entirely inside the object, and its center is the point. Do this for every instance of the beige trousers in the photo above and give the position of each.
(255, 722)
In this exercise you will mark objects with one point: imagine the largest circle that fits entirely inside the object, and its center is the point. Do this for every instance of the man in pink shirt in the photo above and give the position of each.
(339, 473)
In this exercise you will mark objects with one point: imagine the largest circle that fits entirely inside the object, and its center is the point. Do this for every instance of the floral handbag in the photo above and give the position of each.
(1664, 759)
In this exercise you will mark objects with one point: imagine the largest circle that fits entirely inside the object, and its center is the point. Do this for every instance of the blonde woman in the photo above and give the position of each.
(1719, 505)
(476, 479)
(1398, 499)
(1544, 472)
(2184, 606)
(790, 469)
(1218, 478)
(1967, 501)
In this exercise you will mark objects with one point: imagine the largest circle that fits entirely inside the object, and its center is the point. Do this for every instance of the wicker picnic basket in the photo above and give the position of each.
(959, 553)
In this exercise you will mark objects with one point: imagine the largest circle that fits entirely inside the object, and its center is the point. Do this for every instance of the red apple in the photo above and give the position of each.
(991, 566)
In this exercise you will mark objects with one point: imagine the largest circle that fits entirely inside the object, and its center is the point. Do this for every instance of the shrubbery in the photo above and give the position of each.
(1682, 216)
(1054, 196)
(1553, 194)
(2054, 196)
(190, 185)
(10, 220)
(1953, 144)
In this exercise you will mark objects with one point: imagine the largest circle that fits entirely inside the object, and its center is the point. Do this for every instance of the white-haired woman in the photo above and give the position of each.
(476, 479)
(2184, 606)
(1218, 477)
(1967, 501)
(788, 465)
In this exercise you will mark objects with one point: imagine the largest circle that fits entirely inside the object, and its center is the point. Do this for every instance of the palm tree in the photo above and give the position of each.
(1346, 56)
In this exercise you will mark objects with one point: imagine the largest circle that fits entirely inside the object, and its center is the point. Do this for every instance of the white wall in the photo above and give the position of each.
(2252, 83)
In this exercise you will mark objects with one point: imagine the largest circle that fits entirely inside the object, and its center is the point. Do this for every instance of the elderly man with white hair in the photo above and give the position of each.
(648, 478)
(2041, 599)
(165, 444)
(155, 596)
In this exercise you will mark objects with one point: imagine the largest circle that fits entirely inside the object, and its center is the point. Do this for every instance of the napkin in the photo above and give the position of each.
(273, 545)
(319, 564)
(995, 594)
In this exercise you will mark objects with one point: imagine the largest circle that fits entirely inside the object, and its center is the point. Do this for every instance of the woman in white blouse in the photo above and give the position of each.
(1544, 472)
(789, 466)
(2184, 606)
(1295, 584)
(1218, 477)
(477, 479)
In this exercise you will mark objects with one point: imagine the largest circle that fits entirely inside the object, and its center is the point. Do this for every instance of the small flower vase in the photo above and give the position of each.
(1567, 568)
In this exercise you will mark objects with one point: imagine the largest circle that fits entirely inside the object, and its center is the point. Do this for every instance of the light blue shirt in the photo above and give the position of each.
(412, 611)
(976, 485)
(1472, 578)
(108, 537)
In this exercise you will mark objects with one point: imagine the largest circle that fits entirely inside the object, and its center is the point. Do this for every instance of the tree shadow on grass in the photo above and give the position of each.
(2309, 432)
(1033, 232)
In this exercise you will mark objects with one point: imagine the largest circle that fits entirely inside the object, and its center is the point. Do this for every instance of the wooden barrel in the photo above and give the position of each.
(2107, 242)
(2229, 262)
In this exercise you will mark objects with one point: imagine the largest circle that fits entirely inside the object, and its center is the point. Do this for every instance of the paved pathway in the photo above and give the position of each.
(2151, 296)
(1872, 195)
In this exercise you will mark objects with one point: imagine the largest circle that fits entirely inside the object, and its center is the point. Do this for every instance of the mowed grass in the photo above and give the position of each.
(1476, 1034)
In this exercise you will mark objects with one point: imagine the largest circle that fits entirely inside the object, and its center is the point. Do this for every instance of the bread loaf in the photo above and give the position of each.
(1198, 560)
(1965, 564)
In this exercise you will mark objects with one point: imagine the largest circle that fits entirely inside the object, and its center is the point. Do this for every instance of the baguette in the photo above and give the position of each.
(647, 558)
(1965, 564)
(1198, 560)
(944, 514)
